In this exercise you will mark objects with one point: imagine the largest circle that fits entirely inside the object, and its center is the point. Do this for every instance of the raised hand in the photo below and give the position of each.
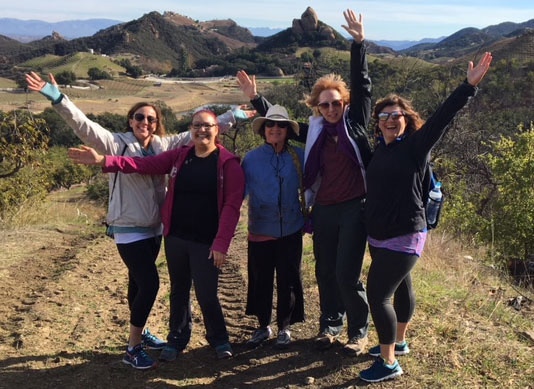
(354, 25)
(36, 83)
(475, 74)
(247, 84)
(86, 156)
(47, 89)
(241, 113)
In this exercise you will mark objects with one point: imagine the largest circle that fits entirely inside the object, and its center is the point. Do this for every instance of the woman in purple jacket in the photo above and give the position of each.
(200, 214)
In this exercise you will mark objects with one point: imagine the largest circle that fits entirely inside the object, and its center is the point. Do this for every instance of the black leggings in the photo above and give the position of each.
(143, 279)
(389, 276)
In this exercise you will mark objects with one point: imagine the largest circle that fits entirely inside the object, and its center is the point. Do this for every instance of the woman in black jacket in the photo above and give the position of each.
(395, 213)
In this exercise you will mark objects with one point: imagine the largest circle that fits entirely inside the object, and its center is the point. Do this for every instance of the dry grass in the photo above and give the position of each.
(465, 332)
(118, 95)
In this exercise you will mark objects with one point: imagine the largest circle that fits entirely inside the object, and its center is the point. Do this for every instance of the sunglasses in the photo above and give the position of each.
(272, 123)
(140, 117)
(335, 104)
(395, 115)
(207, 126)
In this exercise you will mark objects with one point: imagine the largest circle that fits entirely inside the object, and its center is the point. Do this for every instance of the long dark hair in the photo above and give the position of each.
(160, 126)
(413, 120)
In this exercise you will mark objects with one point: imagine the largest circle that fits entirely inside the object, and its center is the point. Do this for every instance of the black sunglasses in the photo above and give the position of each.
(272, 123)
(334, 104)
(140, 117)
(395, 115)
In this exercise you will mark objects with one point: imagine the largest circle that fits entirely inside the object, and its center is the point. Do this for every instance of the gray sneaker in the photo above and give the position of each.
(355, 346)
(259, 336)
(325, 340)
(283, 340)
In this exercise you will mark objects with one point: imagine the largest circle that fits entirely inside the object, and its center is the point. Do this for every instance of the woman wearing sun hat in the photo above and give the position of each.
(273, 174)
(337, 153)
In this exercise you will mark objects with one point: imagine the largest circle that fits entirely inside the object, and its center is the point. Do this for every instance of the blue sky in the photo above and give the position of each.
(391, 20)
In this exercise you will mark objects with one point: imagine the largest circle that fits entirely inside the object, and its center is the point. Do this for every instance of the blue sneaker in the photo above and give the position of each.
(400, 349)
(151, 341)
(380, 371)
(138, 358)
(224, 351)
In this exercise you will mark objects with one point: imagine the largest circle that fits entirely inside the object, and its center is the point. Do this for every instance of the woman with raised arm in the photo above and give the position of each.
(200, 215)
(395, 213)
(134, 200)
(336, 154)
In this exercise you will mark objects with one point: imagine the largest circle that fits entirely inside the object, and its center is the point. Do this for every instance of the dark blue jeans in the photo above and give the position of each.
(188, 263)
(339, 240)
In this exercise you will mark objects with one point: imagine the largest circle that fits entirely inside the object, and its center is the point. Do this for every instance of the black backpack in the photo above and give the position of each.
(429, 182)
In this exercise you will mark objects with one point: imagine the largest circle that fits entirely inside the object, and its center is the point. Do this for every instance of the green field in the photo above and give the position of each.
(78, 63)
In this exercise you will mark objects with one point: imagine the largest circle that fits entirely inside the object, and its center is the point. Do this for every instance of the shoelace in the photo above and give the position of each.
(151, 338)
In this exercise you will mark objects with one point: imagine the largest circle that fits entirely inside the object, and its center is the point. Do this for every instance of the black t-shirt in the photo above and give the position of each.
(195, 214)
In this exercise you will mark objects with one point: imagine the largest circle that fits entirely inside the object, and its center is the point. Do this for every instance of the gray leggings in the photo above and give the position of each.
(389, 276)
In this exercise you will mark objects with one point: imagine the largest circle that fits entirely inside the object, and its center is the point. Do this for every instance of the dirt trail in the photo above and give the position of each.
(65, 319)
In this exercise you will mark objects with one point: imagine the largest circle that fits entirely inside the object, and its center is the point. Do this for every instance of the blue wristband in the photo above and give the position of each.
(51, 92)
(239, 114)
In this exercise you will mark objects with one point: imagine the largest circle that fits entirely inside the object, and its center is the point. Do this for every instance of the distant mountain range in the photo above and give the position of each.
(32, 30)
(171, 43)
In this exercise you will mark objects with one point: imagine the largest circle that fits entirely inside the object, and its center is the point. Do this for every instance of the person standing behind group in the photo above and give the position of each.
(336, 155)
(134, 200)
(395, 213)
(273, 175)
(200, 214)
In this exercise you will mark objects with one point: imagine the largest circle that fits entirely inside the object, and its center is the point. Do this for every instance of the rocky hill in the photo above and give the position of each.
(161, 42)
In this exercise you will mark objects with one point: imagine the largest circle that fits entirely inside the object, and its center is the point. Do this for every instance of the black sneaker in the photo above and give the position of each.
(224, 351)
(151, 341)
(402, 349)
(283, 340)
(259, 336)
(379, 371)
(138, 358)
(169, 353)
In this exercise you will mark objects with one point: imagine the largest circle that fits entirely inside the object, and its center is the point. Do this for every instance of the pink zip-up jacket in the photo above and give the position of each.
(230, 192)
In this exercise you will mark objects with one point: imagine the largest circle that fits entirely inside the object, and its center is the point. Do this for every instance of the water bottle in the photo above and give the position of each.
(434, 203)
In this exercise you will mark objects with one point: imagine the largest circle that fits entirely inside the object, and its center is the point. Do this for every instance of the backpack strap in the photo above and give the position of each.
(116, 174)
(298, 165)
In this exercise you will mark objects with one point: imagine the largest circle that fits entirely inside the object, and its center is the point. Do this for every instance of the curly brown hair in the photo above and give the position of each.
(413, 121)
(329, 81)
(160, 126)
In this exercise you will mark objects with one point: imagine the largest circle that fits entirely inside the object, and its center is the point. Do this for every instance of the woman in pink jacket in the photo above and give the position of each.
(200, 214)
